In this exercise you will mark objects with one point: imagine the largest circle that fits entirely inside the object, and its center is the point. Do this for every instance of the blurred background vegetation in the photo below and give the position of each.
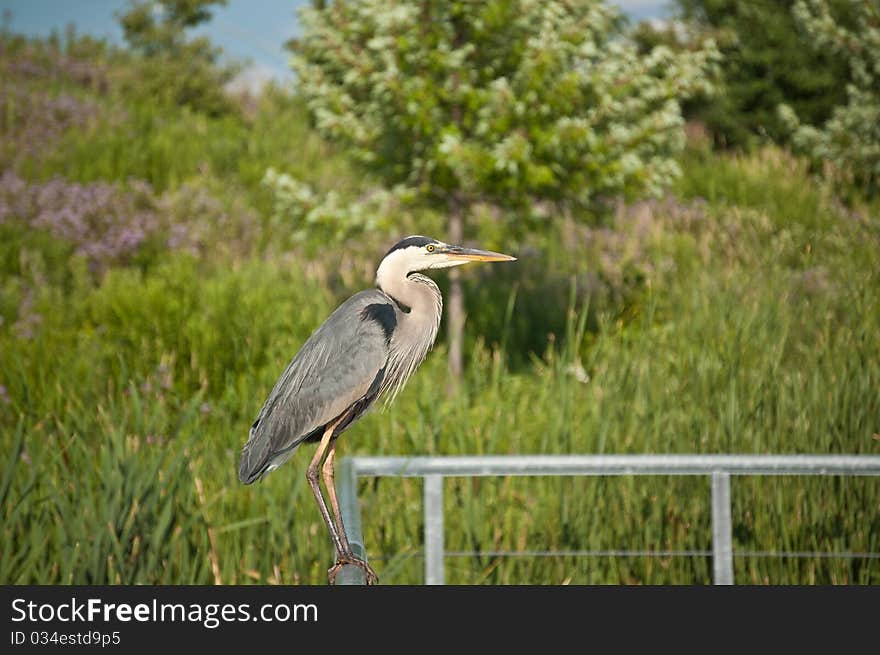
(167, 243)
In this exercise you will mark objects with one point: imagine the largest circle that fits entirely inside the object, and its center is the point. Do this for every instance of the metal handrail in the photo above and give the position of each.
(480, 465)
(719, 467)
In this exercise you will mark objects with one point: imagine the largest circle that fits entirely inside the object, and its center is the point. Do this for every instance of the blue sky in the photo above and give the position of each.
(245, 29)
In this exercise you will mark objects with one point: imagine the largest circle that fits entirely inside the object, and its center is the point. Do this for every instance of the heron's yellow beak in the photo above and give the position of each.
(474, 255)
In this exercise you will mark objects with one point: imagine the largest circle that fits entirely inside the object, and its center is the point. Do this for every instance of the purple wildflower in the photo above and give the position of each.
(104, 223)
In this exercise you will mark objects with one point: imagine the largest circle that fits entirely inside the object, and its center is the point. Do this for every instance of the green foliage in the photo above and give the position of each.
(738, 317)
(158, 27)
(59, 129)
(503, 101)
(174, 69)
(850, 139)
(753, 329)
(767, 60)
(315, 218)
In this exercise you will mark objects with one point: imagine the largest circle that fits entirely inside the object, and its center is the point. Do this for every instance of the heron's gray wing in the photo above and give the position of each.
(336, 367)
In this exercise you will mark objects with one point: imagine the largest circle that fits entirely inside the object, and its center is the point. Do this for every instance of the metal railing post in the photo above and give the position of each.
(434, 573)
(722, 530)
(346, 487)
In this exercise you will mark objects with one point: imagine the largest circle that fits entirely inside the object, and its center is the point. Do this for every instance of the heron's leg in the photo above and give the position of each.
(312, 475)
(327, 474)
(346, 556)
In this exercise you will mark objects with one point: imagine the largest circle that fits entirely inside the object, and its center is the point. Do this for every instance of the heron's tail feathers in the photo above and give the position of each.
(248, 474)
(257, 457)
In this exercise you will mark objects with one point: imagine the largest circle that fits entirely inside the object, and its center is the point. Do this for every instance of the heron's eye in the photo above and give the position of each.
(429, 248)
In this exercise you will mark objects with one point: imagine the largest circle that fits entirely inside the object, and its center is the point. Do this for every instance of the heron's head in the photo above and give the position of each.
(418, 253)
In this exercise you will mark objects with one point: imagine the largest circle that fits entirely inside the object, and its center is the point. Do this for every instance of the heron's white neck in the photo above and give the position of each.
(417, 329)
(418, 293)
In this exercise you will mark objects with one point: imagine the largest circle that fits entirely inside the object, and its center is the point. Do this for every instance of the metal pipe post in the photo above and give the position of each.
(346, 488)
(722, 529)
(434, 573)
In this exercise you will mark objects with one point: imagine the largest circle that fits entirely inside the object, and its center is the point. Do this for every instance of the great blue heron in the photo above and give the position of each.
(367, 348)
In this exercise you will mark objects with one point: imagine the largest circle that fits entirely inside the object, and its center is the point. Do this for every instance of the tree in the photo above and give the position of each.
(184, 71)
(508, 102)
(766, 62)
(850, 139)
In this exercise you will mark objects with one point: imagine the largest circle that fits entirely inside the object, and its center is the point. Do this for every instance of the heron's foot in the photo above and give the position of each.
(349, 559)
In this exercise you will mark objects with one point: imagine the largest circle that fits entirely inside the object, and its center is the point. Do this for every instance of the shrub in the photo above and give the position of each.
(767, 60)
(849, 141)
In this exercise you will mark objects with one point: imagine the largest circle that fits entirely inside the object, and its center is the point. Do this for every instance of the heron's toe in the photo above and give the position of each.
(370, 576)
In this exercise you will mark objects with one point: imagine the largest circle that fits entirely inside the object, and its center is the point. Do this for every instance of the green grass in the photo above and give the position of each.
(746, 322)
